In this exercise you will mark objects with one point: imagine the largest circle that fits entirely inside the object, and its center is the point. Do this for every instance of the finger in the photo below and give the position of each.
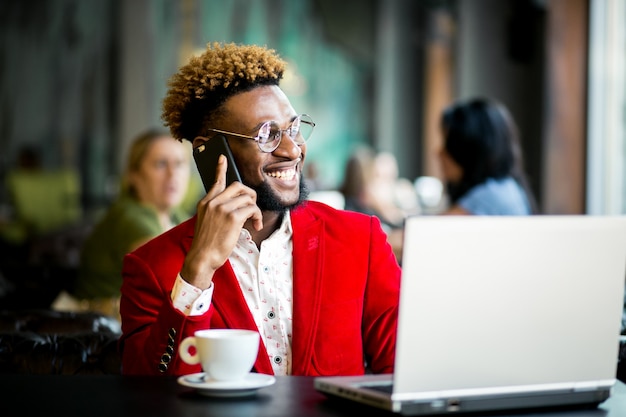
(220, 174)
(257, 219)
(220, 180)
(240, 201)
(253, 212)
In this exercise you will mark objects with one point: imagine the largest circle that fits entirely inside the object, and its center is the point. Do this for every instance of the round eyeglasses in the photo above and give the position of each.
(270, 134)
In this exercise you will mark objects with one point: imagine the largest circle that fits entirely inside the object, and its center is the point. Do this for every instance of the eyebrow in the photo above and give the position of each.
(257, 127)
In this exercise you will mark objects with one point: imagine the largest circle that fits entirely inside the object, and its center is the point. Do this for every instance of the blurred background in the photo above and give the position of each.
(78, 79)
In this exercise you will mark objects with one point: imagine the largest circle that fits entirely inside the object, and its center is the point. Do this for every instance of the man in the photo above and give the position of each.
(320, 285)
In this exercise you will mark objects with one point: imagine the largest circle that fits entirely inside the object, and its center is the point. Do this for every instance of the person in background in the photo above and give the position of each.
(358, 172)
(320, 285)
(393, 196)
(153, 186)
(15, 231)
(371, 185)
(482, 161)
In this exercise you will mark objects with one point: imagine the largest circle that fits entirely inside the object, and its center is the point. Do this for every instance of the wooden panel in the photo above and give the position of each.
(437, 85)
(565, 134)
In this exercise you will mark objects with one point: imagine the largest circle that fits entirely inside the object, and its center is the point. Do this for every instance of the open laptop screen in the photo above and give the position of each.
(510, 301)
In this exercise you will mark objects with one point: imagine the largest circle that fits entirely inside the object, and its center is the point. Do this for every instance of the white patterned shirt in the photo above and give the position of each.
(265, 278)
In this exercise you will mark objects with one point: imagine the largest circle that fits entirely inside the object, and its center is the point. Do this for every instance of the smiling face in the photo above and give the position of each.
(275, 176)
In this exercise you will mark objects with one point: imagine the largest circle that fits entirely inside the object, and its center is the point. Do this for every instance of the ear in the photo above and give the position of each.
(199, 140)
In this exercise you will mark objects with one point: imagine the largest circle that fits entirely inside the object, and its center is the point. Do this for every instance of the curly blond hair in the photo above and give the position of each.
(200, 87)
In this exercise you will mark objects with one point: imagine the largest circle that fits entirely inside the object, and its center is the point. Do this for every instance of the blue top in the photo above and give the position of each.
(496, 197)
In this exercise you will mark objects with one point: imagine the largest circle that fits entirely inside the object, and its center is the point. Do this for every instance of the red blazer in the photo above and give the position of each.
(346, 283)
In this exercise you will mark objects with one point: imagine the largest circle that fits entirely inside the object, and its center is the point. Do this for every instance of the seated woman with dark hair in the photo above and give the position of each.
(482, 160)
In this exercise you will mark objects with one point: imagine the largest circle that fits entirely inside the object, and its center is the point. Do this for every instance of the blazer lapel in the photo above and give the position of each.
(308, 242)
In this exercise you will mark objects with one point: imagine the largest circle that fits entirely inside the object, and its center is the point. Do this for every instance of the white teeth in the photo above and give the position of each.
(283, 175)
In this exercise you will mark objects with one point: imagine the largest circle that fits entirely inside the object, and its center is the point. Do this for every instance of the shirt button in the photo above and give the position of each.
(266, 269)
(270, 315)
(199, 307)
(278, 359)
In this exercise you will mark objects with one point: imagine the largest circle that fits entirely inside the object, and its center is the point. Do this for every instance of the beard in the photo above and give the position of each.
(268, 200)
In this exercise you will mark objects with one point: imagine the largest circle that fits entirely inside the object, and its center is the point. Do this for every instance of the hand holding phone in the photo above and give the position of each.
(217, 229)
(206, 157)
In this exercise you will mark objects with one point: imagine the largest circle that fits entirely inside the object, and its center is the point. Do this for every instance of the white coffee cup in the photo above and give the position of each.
(224, 354)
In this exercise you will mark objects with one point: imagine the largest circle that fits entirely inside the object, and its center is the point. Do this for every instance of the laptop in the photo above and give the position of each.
(502, 313)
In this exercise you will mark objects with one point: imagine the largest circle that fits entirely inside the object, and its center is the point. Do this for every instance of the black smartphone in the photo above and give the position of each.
(206, 156)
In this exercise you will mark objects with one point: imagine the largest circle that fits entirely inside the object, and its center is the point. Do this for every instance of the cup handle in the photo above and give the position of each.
(183, 351)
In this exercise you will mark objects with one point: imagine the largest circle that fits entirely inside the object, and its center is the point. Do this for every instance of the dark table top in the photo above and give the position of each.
(115, 396)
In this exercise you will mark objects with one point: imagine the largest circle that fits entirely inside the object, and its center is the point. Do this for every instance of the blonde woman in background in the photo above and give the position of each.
(154, 185)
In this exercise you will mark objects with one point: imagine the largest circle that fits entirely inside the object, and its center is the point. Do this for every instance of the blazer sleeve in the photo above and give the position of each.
(380, 311)
(152, 327)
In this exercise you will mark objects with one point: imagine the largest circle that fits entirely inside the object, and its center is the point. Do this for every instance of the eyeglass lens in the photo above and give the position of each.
(299, 131)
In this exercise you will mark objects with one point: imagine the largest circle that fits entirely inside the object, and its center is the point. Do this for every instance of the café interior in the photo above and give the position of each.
(79, 79)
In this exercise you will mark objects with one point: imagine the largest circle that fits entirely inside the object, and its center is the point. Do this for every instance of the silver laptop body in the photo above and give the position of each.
(500, 313)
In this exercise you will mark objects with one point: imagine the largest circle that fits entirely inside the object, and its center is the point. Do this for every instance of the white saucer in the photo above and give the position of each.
(211, 388)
